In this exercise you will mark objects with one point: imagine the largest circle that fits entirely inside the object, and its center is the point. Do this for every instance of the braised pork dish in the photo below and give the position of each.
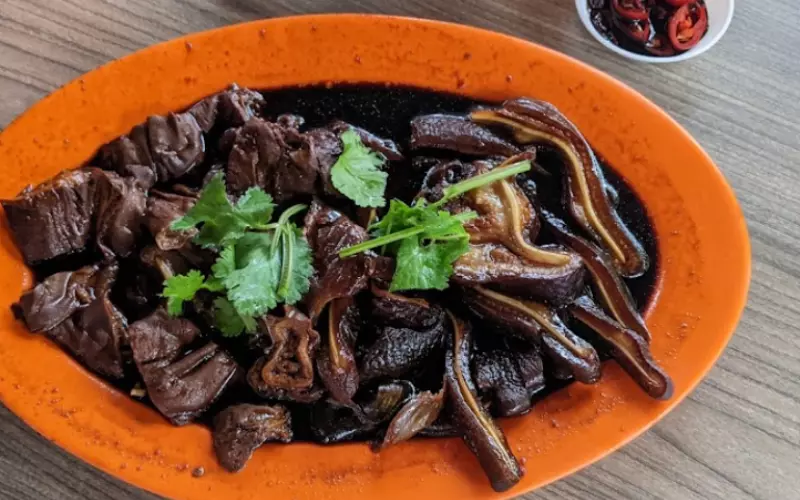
(332, 265)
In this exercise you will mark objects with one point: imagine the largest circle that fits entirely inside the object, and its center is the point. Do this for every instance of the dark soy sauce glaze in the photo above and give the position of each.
(387, 112)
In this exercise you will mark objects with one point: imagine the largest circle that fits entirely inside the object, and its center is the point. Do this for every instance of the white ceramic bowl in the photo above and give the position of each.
(720, 13)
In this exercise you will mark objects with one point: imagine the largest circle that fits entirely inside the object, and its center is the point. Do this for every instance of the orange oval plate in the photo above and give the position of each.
(705, 255)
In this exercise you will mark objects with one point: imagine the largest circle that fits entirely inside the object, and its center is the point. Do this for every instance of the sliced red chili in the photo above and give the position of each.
(632, 10)
(677, 3)
(687, 25)
(660, 46)
(638, 31)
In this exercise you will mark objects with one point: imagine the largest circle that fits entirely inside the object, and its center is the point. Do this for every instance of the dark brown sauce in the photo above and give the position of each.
(387, 111)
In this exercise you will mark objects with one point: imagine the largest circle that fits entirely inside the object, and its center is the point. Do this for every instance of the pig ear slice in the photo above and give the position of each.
(609, 287)
(479, 431)
(587, 201)
(336, 361)
(536, 321)
(629, 349)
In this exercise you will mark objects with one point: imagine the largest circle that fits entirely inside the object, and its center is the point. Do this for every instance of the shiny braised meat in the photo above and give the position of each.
(404, 342)
(510, 378)
(57, 298)
(497, 267)
(66, 214)
(328, 232)
(54, 218)
(451, 281)
(286, 372)
(479, 431)
(120, 206)
(586, 199)
(502, 255)
(163, 209)
(169, 146)
(458, 134)
(418, 413)
(289, 164)
(539, 324)
(74, 309)
(230, 108)
(262, 156)
(336, 361)
(181, 383)
(240, 429)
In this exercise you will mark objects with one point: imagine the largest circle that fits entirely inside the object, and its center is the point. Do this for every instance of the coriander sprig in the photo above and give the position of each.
(426, 240)
(357, 174)
(260, 263)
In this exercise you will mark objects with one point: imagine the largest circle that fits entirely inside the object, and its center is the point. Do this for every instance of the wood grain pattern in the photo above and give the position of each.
(738, 435)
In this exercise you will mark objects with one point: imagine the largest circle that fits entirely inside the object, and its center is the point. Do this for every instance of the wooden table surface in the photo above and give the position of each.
(738, 435)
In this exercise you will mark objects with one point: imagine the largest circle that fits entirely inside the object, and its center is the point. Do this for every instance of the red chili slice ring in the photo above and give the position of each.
(632, 10)
(677, 3)
(687, 25)
(638, 31)
(660, 46)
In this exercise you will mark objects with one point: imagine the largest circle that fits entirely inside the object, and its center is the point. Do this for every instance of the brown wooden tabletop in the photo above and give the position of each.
(738, 435)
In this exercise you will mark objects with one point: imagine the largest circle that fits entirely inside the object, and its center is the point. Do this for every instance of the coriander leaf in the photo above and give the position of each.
(442, 224)
(426, 266)
(296, 265)
(180, 288)
(252, 286)
(225, 263)
(250, 246)
(222, 267)
(221, 222)
(229, 321)
(226, 229)
(356, 173)
(399, 216)
(426, 240)
(212, 202)
(255, 207)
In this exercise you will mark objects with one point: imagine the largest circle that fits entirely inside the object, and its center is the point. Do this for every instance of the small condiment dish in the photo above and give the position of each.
(720, 14)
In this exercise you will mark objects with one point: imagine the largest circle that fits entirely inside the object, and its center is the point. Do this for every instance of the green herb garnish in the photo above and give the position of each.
(260, 263)
(223, 222)
(426, 240)
(357, 174)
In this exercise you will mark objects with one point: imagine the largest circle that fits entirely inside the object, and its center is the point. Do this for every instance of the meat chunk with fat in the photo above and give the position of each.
(169, 146)
(66, 214)
(261, 156)
(119, 213)
(240, 429)
(74, 309)
(55, 218)
(164, 208)
(229, 108)
(181, 384)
